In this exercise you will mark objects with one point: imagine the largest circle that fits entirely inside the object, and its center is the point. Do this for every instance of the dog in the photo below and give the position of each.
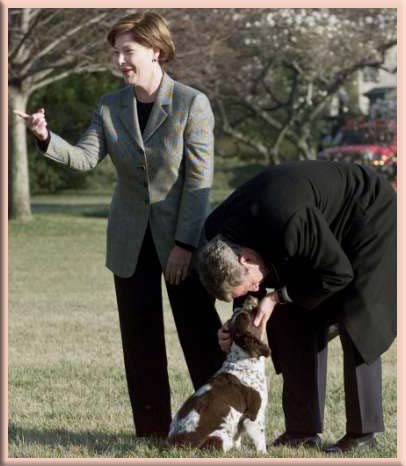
(234, 400)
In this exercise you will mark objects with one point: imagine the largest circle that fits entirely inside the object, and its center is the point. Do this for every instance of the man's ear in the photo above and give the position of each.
(245, 258)
(242, 259)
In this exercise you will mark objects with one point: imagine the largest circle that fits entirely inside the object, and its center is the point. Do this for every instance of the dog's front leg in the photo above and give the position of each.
(221, 439)
(256, 431)
(237, 442)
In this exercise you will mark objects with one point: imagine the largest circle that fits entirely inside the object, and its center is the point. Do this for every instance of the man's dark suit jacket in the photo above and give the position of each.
(326, 230)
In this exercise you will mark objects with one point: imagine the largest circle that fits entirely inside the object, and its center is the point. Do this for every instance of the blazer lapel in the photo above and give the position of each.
(129, 117)
(159, 111)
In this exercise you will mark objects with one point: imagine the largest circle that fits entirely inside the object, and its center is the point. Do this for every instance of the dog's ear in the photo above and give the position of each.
(254, 347)
(240, 326)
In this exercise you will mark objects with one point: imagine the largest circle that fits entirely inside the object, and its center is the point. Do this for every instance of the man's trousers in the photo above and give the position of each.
(298, 339)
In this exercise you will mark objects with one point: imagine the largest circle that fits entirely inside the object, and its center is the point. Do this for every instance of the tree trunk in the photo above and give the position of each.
(19, 187)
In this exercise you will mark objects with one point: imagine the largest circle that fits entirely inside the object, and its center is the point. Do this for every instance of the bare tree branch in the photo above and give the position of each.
(57, 77)
(240, 136)
(35, 18)
(46, 50)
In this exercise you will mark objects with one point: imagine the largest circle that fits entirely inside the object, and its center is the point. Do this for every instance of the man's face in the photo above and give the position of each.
(251, 282)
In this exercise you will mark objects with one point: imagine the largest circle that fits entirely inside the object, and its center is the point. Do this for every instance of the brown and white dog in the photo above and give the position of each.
(234, 400)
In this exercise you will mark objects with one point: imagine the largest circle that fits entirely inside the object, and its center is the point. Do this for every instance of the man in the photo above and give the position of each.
(323, 236)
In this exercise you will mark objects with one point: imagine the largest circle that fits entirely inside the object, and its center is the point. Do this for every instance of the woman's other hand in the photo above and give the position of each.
(178, 264)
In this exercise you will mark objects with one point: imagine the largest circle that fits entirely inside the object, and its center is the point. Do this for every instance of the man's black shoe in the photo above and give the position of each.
(297, 440)
(351, 441)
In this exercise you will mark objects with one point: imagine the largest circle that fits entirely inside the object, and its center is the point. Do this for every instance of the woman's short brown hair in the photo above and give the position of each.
(148, 29)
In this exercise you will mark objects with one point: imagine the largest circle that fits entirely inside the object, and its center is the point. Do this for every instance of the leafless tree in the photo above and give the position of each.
(270, 73)
(273, 72)
(46, 45)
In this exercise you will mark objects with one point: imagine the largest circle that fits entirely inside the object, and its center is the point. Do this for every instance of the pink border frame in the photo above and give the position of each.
(401, 386)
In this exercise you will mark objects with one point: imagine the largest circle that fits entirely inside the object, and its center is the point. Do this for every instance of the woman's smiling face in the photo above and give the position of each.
(133, 60)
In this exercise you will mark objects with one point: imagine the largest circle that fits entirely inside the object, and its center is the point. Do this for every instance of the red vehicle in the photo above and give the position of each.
(367, 143)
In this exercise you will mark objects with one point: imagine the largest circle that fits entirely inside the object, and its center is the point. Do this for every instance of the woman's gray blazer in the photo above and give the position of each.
(163, 175)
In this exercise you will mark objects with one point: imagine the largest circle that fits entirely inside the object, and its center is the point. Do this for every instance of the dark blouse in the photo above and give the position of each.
(143, 110)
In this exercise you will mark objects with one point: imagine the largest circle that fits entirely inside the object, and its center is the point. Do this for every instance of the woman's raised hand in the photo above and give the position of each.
(36, 123)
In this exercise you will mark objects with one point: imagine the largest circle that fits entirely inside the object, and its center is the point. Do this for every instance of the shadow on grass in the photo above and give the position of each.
(81, 210)
(88, 443)
(95, 442)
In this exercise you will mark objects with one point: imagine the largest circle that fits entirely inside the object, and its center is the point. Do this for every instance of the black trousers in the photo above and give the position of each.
(142, 331)
(298, 340)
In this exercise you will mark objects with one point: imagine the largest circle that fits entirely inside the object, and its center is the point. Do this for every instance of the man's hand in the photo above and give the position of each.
(264, 312)
(178, 265)
(224, 337)
(36, 123)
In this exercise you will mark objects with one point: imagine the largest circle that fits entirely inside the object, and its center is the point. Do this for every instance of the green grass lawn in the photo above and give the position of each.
(67, 389)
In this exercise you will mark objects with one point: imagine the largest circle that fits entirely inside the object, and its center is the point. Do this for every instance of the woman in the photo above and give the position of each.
(159, 135)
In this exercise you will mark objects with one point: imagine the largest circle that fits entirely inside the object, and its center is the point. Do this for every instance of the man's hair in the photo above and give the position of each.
(148, 29)
(219, 268)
